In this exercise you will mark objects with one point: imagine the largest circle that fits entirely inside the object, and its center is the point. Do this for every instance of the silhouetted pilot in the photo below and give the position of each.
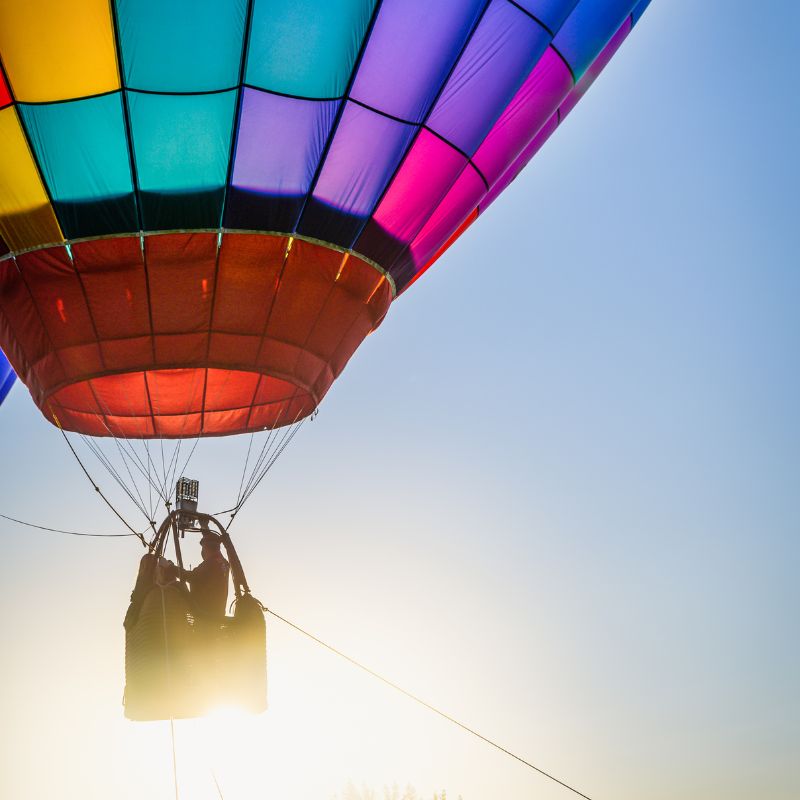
(208, 581)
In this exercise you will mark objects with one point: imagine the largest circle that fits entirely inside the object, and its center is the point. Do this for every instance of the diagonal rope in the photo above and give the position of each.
(94, 485)
(427, 705)
(69, 533)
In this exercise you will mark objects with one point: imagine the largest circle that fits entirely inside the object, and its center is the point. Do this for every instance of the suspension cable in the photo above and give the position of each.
(69, 533)
(422, 702)
(94, 485)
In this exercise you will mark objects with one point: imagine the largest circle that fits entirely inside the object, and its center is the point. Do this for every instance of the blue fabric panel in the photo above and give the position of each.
(306, 48)
(181, 143)
(418, 40)
(7, 377)
(551, 12)
(182, 146)
(639, 10)
(82, 149)
(181, 45)
(499, 57)
(588, 29)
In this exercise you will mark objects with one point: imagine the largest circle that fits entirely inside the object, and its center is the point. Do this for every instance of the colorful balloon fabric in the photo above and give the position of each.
(206, 205)
(7, 377)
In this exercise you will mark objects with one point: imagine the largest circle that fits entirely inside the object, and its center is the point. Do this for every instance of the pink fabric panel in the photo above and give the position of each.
(460, 201)
(537, 99)
(522, 159)
(429, 170)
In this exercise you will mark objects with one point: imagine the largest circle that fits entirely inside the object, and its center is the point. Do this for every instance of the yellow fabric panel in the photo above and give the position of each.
(26, 216)
(58, 50)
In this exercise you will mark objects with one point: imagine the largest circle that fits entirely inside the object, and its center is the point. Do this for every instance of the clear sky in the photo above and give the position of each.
(555, 494)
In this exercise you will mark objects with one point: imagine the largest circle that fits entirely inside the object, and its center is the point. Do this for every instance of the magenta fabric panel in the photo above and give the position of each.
(411, 50)
(502, 52)
(537, 99)
(427, 173)
(365, 151)
(597, 66)
(462, 199)
(280, 142)
(521, 161)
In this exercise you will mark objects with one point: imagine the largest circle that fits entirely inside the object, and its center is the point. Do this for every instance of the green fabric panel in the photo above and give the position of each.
(181, 143)
(181, 45)
(81, 147)
(306, 48)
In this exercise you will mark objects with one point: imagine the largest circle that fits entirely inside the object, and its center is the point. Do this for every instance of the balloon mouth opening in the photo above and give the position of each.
(179, 403)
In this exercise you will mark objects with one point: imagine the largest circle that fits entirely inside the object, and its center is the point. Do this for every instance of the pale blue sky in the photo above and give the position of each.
(556, 493)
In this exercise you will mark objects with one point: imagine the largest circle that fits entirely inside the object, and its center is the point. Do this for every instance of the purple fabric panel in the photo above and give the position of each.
(597, 66)
(537, 99)
(365, 152)
(279, 142)
(459, 203)
(521, 161)
(500, 55)
(551, 12)
(412, 48)
(427, 174)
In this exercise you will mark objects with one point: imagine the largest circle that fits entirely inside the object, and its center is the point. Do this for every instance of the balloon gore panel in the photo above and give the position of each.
(206, 205)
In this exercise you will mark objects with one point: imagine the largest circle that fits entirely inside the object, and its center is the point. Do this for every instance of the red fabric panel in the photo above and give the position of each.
(249, 266)
(112, 271)
(5, 95)
(181, 270)
(185, 339)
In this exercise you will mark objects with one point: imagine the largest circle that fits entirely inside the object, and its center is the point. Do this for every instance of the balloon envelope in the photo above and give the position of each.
(7, 377)
(206, 207)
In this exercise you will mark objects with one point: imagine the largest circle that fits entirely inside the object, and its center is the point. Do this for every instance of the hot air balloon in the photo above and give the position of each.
(7, 377)
(207, 205)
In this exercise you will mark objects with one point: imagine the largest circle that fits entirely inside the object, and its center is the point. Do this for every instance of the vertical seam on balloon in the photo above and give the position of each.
(263, 338)
(424, 120)
(137, 194)
(34, 157)
(53, 348)
(339, 113)
(79, 278)
(237, 123)
(534, 17)
(17, 340)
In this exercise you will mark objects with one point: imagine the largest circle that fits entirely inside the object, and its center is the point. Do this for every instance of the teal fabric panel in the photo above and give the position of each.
(306, 48)
(81, 147)
(181, 143)
(181, 45)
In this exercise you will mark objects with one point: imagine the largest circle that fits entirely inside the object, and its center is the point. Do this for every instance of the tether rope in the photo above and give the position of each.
(69, 533)
(427, 705)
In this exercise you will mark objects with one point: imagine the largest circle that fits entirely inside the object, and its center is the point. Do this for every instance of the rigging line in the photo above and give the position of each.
(268, 440)
(244, 469)
(266, 453)
(69, 533)
(267, 443)
(189, 457)
(94, 485)
(260, 469)
(291, 434)
(426, 705)
(105, 462)
(272, 460)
